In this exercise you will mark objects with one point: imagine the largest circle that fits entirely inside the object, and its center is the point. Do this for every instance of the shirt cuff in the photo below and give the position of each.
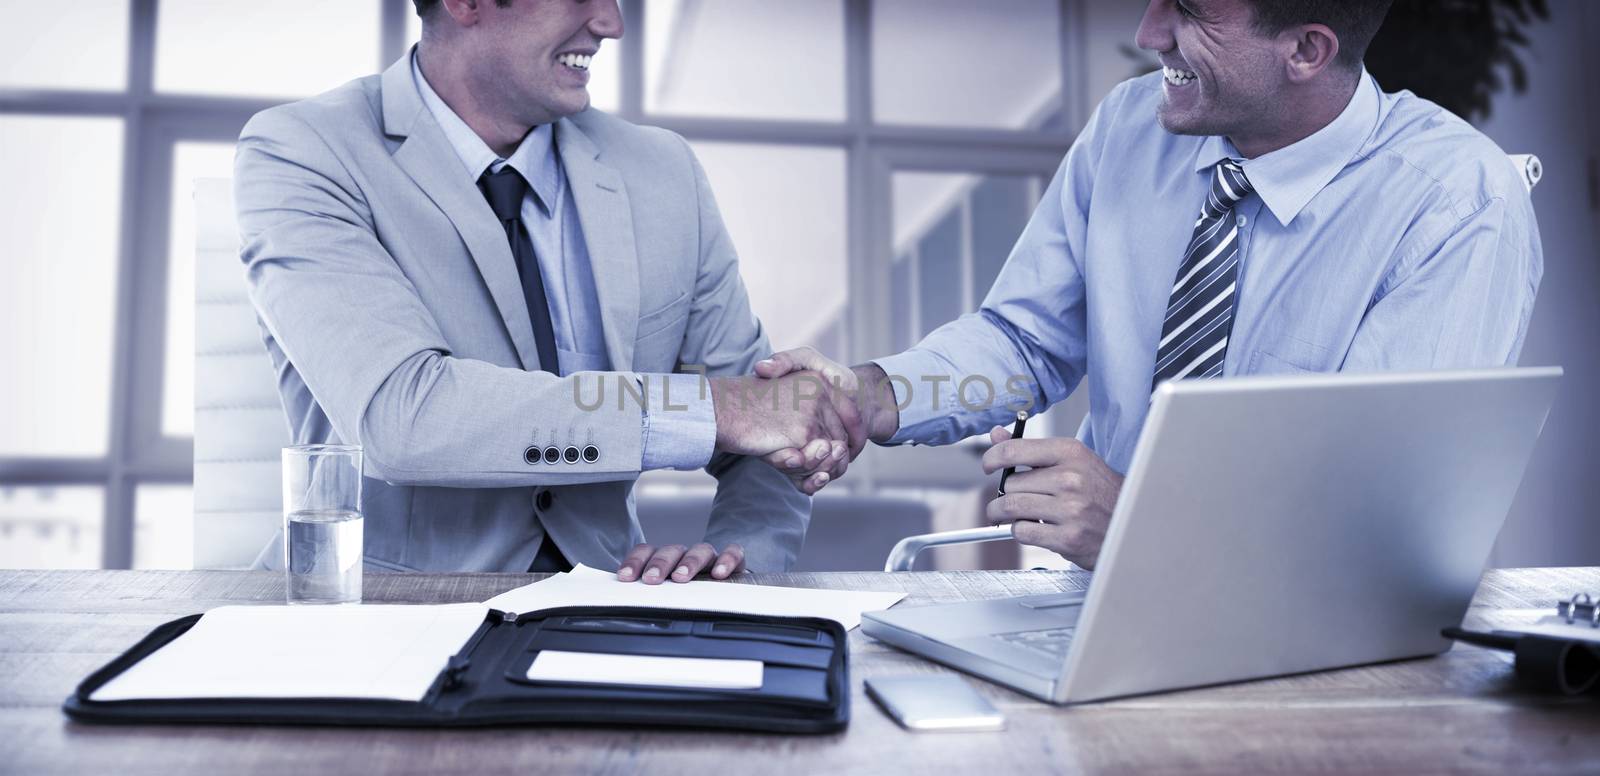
(680, 424)
(923, 390)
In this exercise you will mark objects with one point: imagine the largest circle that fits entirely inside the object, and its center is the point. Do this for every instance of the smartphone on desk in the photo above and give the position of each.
(934, 702)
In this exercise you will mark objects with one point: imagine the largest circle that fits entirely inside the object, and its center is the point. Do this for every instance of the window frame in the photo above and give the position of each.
(153, 123)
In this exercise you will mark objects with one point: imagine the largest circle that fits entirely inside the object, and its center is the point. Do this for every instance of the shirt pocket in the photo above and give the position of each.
(1290, 357)
(663, 318)
(660, 339)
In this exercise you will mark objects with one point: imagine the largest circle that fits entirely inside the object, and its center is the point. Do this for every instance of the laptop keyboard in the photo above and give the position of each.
(1050, 642)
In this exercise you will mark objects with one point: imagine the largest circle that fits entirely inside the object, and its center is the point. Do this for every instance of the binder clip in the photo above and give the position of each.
(1581, 608)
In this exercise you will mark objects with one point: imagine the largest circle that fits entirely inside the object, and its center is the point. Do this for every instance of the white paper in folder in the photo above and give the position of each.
(396, 652)
(584, 586)
(388, 652)
(646, 670)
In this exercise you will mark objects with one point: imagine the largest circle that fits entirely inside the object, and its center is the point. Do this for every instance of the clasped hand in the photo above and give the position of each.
(1062, 500)
(801, 417)
(809, 417)
(861, 398)
(797, 414)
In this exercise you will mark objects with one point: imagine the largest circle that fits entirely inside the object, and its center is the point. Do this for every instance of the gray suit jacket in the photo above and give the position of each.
(392, 312)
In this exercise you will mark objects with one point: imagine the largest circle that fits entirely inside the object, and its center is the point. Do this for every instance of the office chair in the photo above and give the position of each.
(903, 556)
(239, 425)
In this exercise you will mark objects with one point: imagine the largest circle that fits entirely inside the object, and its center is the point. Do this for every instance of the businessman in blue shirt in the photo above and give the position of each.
(1258, 207)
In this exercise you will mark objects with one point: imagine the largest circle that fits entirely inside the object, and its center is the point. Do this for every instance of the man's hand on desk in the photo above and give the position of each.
(1064, 503)
(654, 565)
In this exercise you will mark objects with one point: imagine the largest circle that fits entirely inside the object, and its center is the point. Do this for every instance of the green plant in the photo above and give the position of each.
(1456, 53)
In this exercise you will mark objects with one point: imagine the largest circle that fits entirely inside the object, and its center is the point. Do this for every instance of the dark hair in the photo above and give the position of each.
(1354, 21)
(425, 7)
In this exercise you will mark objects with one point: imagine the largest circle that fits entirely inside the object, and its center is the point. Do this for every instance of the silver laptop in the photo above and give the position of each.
(1268, 526)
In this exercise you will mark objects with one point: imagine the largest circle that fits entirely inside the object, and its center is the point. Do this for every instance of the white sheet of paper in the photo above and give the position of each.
(584, 586)
(382, 651)
(646, 670)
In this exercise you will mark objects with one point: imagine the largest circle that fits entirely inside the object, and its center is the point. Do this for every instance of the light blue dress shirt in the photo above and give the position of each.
(683, 438)
(1395, 238)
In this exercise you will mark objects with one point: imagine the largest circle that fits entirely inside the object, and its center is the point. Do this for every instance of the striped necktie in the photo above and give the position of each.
(1194, 337)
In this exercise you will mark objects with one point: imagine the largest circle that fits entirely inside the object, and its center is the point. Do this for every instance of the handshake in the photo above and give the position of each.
(804, 415)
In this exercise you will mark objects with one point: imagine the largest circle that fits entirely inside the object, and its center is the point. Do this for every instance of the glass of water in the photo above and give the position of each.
(322, 534)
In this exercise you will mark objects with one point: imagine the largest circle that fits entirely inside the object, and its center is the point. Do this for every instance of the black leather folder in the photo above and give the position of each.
(805, 682)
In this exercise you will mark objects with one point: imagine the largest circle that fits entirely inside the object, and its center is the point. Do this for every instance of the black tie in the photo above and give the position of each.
(505, 190)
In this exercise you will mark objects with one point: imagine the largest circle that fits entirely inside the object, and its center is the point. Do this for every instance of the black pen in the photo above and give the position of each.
(1016, 433)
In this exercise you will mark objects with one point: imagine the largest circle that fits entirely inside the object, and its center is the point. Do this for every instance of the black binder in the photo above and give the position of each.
(1564, 659)
(805, 685)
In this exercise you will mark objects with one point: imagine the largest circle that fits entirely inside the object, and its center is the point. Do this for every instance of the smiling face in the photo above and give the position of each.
(534, 54)
(1221, 75)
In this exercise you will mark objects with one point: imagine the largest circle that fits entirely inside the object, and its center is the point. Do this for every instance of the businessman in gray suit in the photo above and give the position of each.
(500, 295)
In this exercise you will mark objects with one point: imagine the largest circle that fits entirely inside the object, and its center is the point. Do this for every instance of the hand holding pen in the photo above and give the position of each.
(1016, 433)
(1055, 492)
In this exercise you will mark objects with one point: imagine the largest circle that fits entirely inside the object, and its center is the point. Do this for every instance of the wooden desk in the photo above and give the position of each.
(1457, 712)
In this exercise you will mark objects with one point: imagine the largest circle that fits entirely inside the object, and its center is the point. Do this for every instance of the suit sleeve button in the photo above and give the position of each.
(552, 455)
(591, 454)
(572, 455)
(532, 455)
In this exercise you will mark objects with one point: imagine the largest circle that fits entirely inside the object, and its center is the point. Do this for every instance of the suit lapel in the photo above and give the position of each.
(607, 221)
(426, 156)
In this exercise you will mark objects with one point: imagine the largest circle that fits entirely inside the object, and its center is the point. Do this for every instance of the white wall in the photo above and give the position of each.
(1553, 520)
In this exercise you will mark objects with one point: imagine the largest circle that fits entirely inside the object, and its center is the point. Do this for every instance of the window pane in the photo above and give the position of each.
(928, 238)
(190, 161)
(605, 71)
(771, 59)
(784, 207)
(58, 279)
(1001, 206)
(901, 313)
(940, 271)
(285, 48)
(957, 229)
(81, 44)
(51, 527)
(922, 199)
(1109, 55)
(163, 527)
(605, 77)
(993, 64)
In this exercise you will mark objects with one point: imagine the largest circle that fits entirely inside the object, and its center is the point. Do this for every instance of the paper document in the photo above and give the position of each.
(386, 652)
(646, 670)
(584, 586)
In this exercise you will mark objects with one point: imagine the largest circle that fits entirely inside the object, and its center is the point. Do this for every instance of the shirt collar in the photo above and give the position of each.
(534, 158)
(1288, 178)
